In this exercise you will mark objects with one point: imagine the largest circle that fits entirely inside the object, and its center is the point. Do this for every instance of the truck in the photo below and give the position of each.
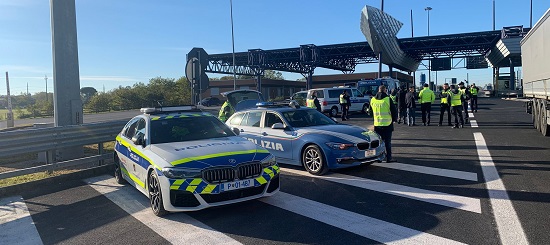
(535, 58)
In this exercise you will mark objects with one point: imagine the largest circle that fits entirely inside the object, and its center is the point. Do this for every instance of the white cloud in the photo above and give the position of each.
(110, 79)
(27, 69)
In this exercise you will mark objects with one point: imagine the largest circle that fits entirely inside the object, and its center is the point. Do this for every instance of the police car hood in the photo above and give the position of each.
(226, 151)
(349, 133)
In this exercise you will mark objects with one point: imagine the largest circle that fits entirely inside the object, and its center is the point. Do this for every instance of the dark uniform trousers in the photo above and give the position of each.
(445, 107)
(457, 114)
(426, 109)
(385, 133)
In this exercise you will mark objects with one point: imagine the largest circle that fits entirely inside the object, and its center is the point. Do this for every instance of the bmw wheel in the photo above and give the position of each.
(155, 195)
(333, 111)
(118, 172)
(314, 160)
(366, 108)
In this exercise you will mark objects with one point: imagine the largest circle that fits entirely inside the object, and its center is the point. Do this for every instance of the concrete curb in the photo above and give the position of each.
(25, 187)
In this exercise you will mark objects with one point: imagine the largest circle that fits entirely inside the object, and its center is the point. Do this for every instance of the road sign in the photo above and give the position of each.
(197, 61)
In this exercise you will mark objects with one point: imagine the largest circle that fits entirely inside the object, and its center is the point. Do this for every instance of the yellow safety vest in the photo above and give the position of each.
(426, 96)
(473, 91)
(455, 99)
(393, 98)
(342, 100)
(462, 91)
(381, 111)
(221, 114)
(311, 103)
(444, 96)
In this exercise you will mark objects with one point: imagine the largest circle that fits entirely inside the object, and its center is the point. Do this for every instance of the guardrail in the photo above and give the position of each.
(50, 139)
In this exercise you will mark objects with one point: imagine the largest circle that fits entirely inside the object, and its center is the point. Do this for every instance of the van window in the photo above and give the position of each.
(356, 93)
(318, 92)
(334, 93)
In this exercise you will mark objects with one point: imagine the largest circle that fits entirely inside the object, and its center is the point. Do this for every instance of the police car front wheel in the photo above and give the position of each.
(314, 160)
(155, 195)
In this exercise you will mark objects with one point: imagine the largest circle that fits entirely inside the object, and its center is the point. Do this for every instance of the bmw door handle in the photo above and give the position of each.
(264, 133)
(242, 130)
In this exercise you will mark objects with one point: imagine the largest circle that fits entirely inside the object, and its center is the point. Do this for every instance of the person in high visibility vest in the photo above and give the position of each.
(473, 100)
(445, 105)
(344, 104)
(426, 98)
(466, 94)
(313, 102)
(384, 113)
(226, 111)
(456, 98)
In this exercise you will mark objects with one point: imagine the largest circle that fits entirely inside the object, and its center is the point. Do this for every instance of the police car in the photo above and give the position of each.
(184, 159)
(305, 137)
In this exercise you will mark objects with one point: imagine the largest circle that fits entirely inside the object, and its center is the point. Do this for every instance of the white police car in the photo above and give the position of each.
(304, 136)
(184, 159)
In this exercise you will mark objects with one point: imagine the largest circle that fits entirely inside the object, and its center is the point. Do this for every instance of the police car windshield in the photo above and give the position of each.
(306, 118)
(187, 129)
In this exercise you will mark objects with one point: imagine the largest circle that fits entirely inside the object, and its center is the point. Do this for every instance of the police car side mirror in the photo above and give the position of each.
(138, 140)
(278, 126)
(236, 131)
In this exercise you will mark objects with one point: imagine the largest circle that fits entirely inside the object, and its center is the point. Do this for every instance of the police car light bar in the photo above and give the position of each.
(150, 110)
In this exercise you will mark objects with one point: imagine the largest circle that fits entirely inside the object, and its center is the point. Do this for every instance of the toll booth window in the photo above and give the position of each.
(271, 118)
(252, 119)
(237, 119)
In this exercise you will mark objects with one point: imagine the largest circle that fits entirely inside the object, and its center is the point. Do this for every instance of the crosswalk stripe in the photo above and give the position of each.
(429, 170)
(179, 229)
(470, 114)
(473, 123)
(508, 224)
(371, 228)
(439, 198)
(16, 224)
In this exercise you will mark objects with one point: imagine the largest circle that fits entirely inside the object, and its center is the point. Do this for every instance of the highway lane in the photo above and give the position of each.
(435, 194)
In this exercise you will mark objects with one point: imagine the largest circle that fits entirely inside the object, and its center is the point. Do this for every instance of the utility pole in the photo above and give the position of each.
(531, 16)
(46, 79)
(9, 122)
(494, 28)
(430, 60)
(27, 88)
(233, 43)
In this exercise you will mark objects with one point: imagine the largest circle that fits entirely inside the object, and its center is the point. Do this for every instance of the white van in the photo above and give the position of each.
(329, 98)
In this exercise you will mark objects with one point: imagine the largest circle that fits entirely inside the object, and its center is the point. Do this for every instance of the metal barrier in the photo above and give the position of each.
(51, 139)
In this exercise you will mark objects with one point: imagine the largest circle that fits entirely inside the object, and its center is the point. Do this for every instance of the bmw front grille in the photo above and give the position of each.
(226, 174)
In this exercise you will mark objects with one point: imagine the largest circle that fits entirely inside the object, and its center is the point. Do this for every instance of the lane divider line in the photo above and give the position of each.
(429, 170)
(177, 229)
(16, 224)
(439, 198)
(365, 226)
(508, 224)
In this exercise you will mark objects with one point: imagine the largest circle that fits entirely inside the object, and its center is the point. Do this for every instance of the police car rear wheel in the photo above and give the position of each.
(155, 195)
(334, 111)
(314, 161)
(118, 172)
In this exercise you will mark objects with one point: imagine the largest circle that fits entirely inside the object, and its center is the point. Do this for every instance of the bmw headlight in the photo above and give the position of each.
(268, 161)
(181, 173)
(339, 146)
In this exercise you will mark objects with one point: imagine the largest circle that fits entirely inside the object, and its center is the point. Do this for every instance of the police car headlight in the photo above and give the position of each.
(181, 173)
(268, 161)
(339, 146)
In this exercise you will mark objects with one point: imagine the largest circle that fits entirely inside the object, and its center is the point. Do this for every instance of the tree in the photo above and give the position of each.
(86, 93)
(99, 102)
(275, 75)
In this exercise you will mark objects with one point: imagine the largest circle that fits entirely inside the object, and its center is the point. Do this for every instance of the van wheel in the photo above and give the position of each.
(333, 111)
(366, 109)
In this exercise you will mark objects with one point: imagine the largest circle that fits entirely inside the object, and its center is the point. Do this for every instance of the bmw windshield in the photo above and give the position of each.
(306, 118)
(187, 129)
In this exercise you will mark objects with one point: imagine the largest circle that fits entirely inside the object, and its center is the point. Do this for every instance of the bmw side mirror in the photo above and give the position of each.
(236, 131)
(278, 126)
(138, 140)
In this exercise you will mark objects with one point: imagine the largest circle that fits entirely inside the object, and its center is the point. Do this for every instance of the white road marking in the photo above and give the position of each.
(16, 225)
(508, 224)
(371, 228)
(177, 229)
(470, 115)
(439, 198)
(429, 170)
(473, 123)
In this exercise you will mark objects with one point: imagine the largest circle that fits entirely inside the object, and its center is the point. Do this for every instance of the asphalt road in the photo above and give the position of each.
(477, 185)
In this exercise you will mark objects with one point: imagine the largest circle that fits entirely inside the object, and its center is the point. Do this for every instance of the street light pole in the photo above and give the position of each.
(494, 26)
(428, 10)
(430, 60)
(233, 43)
(46, 78)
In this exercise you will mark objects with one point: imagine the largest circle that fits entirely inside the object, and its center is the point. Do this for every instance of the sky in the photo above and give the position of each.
(122, 42)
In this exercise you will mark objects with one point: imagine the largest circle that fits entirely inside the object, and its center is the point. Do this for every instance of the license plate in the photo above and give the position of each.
(238, 184)
(370, 153)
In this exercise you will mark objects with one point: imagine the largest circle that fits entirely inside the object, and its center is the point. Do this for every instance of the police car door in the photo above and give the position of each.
(277, 140)
(250, 126)
(132, 160)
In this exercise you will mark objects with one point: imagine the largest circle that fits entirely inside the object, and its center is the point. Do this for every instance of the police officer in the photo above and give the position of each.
(445, 105)
(344, 104)
(456, 99)
(226, 111)
(384, 114)
(401, 104)
(426, 98)
(473, 100)
(313, 102)
(466, 95)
